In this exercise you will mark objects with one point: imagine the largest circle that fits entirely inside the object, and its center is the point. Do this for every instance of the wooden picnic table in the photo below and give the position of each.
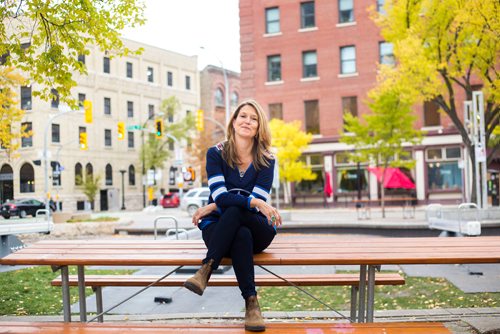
(367, 252)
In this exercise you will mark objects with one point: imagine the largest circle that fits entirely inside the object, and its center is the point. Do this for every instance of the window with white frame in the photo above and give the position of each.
(309, 64)
(150, 74)
(349, 176)
(274, 68)
(443, 172)
(348, 59)
(386, 52)
(219, 97)
(307, 19)
(312, 187)
(107, 106)
(346, 11)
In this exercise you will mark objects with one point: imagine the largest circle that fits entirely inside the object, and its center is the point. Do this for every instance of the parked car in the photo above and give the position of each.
(170, 200)
(22, 208)
(194, 199)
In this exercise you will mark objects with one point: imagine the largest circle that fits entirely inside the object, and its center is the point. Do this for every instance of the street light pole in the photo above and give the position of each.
(122, 171)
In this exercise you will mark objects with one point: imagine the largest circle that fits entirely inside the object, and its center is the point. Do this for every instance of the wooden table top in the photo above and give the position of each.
(285, 250)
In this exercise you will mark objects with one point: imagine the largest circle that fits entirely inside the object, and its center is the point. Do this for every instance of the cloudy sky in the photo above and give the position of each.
(184, 26)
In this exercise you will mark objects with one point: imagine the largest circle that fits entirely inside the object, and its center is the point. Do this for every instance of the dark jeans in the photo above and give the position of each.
(238, 234)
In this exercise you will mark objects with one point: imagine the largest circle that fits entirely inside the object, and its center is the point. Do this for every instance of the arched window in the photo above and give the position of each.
(6, 183)
(27, 178)
(89, 171)
(131, 175)
(109, 175)
(235, 99)
(78, 174)
(219, 97)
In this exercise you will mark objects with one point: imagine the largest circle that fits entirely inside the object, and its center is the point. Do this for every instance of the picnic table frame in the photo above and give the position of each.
(367, 252)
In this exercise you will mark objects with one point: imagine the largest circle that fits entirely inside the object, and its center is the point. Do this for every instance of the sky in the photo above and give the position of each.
(186, 25)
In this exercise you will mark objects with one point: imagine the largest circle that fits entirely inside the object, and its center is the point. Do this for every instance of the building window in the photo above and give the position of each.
(78, 174)
(431, 114)
(380, 6)
(130, 139)
(107, 106)
(150, 74)
(348, 174)
(151, 111)
(109, 175)
(307, 15)
(348, 59)
(188, 82)
(27, 178)
(54, 103)
(81, 58)
(81, 99)
(89, 171)
(219, 97)
(131, 175)
(81, 129)
(170, 79)
(105, 65)
(130, 71)
(27, 139)
(274, 68)
(26, 97)
(56, 133)
(107, 137)
(311, 109)
(130, 109)
(272, 20)
(235, 99)
(170, 116)
(350, 105)
(386, 51)
(346, 11)
(309, 64)
(314, 187)
(276, 111)
(443, 172)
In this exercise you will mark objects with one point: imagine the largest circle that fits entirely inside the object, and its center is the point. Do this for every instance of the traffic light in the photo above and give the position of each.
(121, 130)
(87, 108)
(83, 141)
(200, 122)
(159, 128)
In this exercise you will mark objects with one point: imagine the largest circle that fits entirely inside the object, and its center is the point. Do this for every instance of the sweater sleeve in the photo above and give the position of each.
(264, 182)
(217, 183)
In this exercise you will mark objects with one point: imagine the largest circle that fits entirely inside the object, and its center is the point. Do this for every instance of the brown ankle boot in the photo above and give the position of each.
(199, 281)
(253, 317)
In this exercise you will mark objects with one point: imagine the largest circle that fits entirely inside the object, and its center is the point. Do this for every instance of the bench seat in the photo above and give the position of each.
(97, 282)
(271, 328)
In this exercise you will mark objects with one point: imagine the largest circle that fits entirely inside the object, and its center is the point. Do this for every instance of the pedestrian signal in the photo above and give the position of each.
(200, 122)
(83, 141)
(87, 108)
(159, 128)
(121, 130)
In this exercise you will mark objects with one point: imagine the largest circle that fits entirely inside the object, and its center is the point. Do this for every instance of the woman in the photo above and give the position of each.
(238, 222)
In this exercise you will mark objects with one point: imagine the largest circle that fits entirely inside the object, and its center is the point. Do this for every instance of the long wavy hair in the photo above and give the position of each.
(261, 141)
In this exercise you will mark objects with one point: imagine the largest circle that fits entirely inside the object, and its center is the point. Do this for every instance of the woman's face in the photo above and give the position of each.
(246, 124)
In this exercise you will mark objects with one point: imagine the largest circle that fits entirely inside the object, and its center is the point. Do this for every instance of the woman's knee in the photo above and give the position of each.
(232, 212)
(244, 235)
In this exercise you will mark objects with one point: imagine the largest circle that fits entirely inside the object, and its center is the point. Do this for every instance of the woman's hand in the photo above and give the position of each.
(272, 214)
(203, 212)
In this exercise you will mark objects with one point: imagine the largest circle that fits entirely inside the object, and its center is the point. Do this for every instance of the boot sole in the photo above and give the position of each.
(194, 288)
(255, 328)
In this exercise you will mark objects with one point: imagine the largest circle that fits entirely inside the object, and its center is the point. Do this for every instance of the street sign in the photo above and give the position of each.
(133, 127)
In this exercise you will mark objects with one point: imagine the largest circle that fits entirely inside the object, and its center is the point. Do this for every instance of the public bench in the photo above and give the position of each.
(363, 206)
(97, 282)
(271, 328)
(369, 253)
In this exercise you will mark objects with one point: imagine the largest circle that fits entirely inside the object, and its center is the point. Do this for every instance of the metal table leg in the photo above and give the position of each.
(354, 302)
(98, 302)
(81, 293)
(371, 293)
(65, 294)
(362, 293)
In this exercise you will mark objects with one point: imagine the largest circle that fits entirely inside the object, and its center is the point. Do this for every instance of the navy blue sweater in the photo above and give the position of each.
(228, 188)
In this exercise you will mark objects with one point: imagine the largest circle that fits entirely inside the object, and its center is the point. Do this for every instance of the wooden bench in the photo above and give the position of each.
(97, 282)
(271, 328)
(363, 206)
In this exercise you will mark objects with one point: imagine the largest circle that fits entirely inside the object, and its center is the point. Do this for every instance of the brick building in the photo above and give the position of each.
(313, 61)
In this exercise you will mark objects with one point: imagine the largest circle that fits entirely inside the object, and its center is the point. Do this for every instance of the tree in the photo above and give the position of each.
(91, 186)
(155, 151)
(380, 138)
(290, 142)
(10, 114)
(444, 47)
(44, 38)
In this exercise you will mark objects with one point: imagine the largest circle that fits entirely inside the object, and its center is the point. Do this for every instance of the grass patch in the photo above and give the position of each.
(97, 219)
(28, 291)
(417, 293)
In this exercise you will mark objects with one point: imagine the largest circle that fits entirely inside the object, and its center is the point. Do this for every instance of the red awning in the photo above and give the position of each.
(394, 178)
